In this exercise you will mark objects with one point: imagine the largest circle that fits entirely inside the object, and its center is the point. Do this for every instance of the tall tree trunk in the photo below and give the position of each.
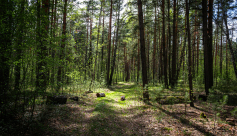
(189, 58)
(138, 58)
(169, 44)
(6, 15)
(229, 43)
(164, 47)
(87, 38)
(197, 49)
(98, 35)
(174, 47)
(115, 48)
(221, 56)
(142, 44)
(90, 48)
(148, 61)
(194, 47)
(62, 55)
(208, 75)
(154, 51)
(182, 56)
(102, 49)
(109, 45)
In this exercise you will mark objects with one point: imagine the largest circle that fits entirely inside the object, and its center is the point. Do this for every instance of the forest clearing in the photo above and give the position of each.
(118, 67)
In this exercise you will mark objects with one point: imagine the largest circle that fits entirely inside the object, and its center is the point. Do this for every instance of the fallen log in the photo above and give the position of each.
(88, 92)
(74, 98)
(56, 100)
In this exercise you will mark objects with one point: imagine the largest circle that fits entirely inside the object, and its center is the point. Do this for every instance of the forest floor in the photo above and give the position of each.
(92, 116)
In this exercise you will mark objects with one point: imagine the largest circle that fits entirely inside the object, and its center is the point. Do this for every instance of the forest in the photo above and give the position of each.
(118, 67)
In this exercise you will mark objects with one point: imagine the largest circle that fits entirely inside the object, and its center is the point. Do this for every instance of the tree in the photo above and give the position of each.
(115, 48)
(164, 47)
(189, 57)
(41, 39)
(174, 47)
(6, 23)
(228, 39)
(207, 43)
(142, 48)
(62, 55)
(109, 45)
(154, 49)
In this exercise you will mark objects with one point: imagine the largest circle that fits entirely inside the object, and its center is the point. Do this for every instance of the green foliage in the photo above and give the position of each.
(216, 100)
(186, 97)
(234, 112)
(203, 115)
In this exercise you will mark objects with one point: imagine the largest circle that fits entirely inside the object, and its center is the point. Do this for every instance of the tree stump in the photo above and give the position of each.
(122, 98)
(202, 97)
(100, 94)
(146, 96)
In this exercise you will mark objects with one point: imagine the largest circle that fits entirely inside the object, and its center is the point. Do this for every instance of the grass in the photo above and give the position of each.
(111, 116)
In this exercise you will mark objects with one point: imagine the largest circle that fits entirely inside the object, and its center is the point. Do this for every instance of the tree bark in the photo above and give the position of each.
(109, 45)
(164, 47)
(154, 50)
(207, 43)
(6, 15)
(115, 48)
(174, 47)
(230, 46)
(189, 57)
(98, 35)
(138, 58)
(142, 44)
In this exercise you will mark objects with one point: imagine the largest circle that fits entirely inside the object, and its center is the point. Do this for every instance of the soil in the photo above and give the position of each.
(88, 116)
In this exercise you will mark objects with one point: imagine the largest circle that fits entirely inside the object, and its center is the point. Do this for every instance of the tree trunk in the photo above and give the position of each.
(138, 58)
(142, 43)
(98, 35)
(6, 32)
(189, 57)
(208, 75)
(115, 48)
(109, 45)
(90, 57)
(230, 46)
(209, 46)
(62, 55)
(102, 49)
(164, 47)
(221, 56)
(154, 51)
(174, 47)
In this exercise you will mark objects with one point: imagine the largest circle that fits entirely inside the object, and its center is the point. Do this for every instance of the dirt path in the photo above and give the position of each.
(92, 116)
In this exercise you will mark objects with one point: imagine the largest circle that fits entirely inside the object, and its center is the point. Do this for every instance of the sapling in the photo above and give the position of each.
(203, 116)
(217, 104)
(234, 113)
(186, 100)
